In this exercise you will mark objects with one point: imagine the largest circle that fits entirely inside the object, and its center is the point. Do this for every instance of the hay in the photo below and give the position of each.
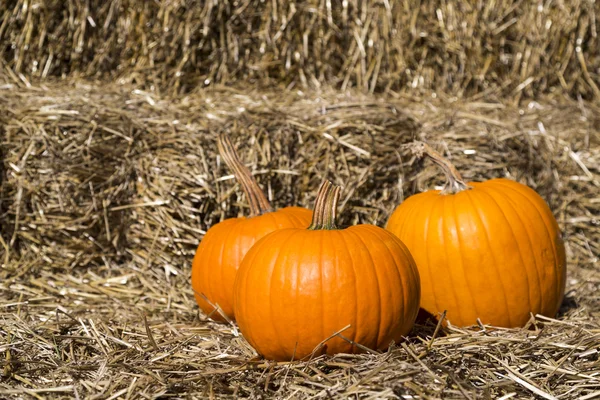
(501, 47)
(107, 189)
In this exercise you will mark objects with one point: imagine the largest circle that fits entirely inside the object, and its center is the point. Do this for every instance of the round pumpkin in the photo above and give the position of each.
(304, 292)
(222, 249)
(490, 250)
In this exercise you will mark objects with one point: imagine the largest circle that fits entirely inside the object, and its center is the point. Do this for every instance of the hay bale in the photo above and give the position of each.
(68, 172)
(128, 166)
(508, 48)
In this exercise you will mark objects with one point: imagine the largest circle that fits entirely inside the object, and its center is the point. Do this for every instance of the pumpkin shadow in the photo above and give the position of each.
(568, 304)
(425, 325)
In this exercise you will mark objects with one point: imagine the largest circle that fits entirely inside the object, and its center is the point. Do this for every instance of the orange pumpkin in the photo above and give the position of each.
(223, 247)
(489, 250)
(303, 292)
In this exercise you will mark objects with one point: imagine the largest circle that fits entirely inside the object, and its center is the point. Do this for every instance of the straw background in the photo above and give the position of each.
(504, 47)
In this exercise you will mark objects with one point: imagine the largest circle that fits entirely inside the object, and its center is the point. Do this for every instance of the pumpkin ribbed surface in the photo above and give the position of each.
(492, 252)
(297, 288)
(222, 249)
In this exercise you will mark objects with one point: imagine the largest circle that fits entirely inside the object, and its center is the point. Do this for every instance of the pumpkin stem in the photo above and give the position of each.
(455, 181)
(258, 202)
(325, 211)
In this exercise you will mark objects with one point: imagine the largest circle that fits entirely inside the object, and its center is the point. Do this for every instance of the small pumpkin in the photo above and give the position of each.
(222, 249)
(319, 290)
(490, 250)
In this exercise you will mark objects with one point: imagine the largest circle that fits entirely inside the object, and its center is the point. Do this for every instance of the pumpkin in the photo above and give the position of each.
(485, 250)
(302, 292)
(222, 249)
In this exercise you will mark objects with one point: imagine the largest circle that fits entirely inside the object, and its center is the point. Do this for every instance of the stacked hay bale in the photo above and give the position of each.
(460, 47)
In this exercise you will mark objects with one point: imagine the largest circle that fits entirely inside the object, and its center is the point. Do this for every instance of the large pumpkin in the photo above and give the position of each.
(222, 249)
(489, 250)
(324, 289)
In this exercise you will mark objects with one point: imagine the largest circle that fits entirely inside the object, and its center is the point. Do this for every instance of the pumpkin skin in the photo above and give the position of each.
(222, 249)
(297, 287)
(492, 252)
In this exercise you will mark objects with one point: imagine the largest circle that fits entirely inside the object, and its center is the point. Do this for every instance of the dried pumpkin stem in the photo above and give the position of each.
(325, 211)
(455, 181)
(258, 202)
(319, 207)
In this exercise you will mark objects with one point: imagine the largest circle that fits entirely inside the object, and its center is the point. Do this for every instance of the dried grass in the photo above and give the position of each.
(106, 190)
(498, 47)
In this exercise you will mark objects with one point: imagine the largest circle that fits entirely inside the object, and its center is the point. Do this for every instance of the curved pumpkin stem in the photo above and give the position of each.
(455, 181)
(325, 211)
(258, 202)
